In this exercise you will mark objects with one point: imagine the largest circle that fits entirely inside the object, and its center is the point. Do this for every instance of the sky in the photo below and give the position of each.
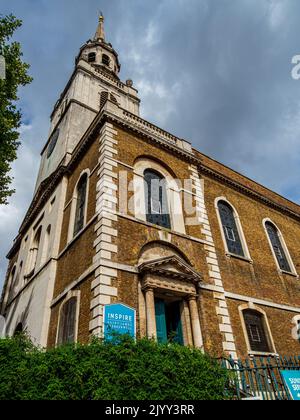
(215, 72)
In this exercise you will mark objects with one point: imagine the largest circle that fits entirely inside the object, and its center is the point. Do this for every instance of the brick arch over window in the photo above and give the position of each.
(144, 166)
(257, 330)
(158, 249)
(231, 228)
(278, 247)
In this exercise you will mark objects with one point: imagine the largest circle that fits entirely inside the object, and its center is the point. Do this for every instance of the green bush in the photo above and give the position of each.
(121, 370)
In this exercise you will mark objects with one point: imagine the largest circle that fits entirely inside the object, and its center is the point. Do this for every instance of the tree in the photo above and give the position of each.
(10, 116)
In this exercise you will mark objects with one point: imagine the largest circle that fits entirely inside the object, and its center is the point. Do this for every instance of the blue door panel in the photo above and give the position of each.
(161, 326)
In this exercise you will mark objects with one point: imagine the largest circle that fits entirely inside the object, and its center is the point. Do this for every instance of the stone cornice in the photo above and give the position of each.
(203, 169)
(98, 74)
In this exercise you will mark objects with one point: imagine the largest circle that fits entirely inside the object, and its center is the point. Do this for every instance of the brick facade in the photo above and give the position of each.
(219, 314)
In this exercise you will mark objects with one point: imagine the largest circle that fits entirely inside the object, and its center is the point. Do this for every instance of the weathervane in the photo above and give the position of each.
(101, 17)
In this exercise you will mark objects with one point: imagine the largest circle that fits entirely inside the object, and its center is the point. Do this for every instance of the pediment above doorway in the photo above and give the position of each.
(171, 267)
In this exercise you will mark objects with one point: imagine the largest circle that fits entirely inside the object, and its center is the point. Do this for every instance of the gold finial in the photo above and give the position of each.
(101, 17)
(100, 30)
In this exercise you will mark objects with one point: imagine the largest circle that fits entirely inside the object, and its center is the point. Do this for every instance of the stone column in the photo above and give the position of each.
(150, 313)
(196, 328)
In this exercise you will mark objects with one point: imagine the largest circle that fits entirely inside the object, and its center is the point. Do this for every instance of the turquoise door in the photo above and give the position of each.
(161, 325)
(174, 323)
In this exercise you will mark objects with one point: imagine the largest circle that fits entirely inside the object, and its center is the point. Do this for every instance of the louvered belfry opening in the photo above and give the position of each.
(105, 60)
(103, 98)
(92, 57)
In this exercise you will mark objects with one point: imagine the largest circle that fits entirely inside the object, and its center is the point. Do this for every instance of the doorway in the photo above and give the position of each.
(168, 321)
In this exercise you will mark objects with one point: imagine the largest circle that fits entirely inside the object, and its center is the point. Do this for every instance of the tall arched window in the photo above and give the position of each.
(67, 322)
(80, 204)
(278, 247)
(52, 142)
(34, 251)
(157, 210)
(232, 236)
(17, 280)
(258, 337)
(12, 282)
(46, 250)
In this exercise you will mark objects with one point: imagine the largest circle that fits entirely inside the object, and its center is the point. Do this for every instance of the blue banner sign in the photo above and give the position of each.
(292, 381)
(120, 319)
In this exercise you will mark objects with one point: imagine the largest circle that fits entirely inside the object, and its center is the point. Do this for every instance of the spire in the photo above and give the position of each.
(100, 30)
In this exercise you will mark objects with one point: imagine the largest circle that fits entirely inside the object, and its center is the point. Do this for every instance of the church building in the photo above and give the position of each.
(125, 212)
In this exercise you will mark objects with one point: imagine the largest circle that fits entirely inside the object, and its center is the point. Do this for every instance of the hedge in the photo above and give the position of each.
(121, 370)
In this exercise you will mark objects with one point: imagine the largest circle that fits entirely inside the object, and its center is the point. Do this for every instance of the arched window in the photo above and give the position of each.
(256, 329)
(67, 322)
(34, 251)
(91, 57)
(232, 236)
(277, 246)
(80, 204)
(103, 98)
(12, 274)
(105, 60)
(12, 282)
(52, 142)
(46, 250)
(156, 199)
(17, 280)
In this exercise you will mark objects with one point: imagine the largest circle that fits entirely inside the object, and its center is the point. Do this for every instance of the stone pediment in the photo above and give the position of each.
(171, 267)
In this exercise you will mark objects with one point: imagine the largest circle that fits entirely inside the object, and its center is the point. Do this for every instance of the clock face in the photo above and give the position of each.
(52, 142)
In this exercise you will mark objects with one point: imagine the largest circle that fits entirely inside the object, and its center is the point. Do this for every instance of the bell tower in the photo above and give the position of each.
(95, 79)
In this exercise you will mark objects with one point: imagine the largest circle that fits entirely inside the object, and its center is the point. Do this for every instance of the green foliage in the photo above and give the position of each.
(10, 116)
(121, 370)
